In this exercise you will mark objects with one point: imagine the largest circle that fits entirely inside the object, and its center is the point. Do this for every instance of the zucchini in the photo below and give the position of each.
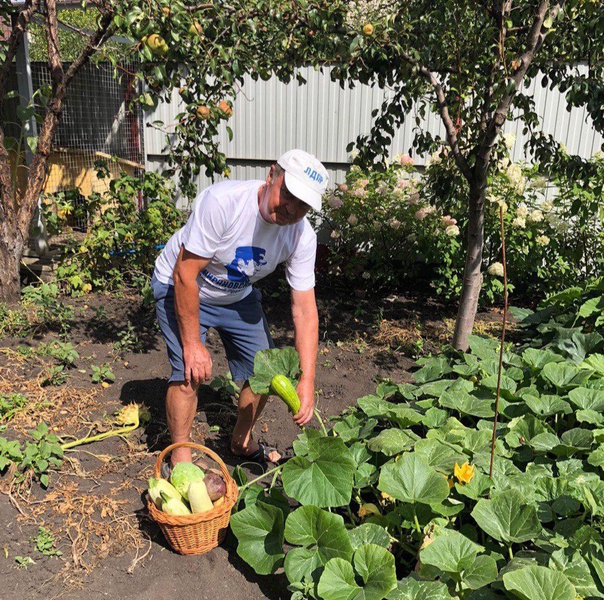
(282, 387)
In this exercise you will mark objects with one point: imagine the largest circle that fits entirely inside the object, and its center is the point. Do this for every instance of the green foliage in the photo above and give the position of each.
(40, 455)
(121, 243)
(45, 542)
(225, 386)
(407, 472)
(10, 452)
(127, 340)
(269, 363)
(11, 404)
(392, 228)
(102, 373)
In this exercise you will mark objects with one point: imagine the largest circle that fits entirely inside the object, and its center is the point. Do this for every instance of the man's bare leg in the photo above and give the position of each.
(181, 406)
(249, 409)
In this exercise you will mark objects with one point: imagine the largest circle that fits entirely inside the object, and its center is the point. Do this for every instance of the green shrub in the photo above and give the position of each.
(397, 228)
(121, 242)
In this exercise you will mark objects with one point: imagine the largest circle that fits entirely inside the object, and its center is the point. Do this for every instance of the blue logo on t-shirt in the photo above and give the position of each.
(247, 259)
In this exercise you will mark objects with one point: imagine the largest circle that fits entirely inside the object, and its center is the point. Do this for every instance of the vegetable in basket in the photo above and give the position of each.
(156, 486)
(173, 506)
(198, 497)
(183, 475)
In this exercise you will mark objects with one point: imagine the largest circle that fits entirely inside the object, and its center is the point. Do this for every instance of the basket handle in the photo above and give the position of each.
(194, 446)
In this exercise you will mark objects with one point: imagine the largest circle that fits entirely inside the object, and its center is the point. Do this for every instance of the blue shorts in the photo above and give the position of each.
(242, 328)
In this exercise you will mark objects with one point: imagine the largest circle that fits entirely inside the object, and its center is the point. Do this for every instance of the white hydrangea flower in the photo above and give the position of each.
(495, 269)
(452, 230)
(394, 223)
(536, 216)
(366, 275)
(352, 220)
(519, 222)
(522, 210)
(343, 187)
(447, 221)
(382, 189)
(547, 206)
(542, 240)
(509, 139)
(335, 234)
(516, 178)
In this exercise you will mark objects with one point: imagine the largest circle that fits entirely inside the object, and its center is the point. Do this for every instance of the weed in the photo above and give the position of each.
(24, 561)
(225, 386)
(45, 543)
(102, 373)
(54, 375)
(11, 404)
(10, 452)
(128, 340)
(64, 352)
(38, 456)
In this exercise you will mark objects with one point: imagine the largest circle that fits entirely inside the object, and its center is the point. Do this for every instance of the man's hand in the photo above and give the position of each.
(306, 393)
(198, 364)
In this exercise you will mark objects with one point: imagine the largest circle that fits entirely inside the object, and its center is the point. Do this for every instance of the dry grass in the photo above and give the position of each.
(89, 509)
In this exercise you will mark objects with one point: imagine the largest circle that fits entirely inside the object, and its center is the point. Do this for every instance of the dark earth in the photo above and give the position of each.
(95, 505)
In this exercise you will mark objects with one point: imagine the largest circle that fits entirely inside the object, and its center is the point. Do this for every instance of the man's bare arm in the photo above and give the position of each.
(306, 330)
(198, 363)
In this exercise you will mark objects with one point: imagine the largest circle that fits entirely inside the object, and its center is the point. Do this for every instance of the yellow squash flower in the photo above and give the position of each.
(465, 473)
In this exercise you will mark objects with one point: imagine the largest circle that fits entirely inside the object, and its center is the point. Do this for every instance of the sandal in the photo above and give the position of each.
(260, 456)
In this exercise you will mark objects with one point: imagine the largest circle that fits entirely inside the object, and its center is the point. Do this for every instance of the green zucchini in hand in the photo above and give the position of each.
(282, 387)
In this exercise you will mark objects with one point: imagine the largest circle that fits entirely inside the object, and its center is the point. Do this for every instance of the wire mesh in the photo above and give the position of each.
(98, 122)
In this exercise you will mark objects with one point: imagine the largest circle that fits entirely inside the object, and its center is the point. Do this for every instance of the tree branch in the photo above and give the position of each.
(443, 109)
(535, 40)
(14, 41)
(52, 36)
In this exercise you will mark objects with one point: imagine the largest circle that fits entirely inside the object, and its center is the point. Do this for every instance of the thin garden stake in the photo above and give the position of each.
(505, 314)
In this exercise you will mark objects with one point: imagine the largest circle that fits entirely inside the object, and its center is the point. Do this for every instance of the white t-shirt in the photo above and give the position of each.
(226, 226)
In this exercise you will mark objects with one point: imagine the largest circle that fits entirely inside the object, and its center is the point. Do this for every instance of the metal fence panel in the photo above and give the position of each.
(270, 117)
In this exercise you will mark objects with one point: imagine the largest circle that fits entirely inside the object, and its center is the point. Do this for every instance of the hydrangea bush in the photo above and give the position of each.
(397, 227)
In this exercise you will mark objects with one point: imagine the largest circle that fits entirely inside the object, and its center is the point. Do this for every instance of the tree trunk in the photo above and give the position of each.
(11, 250)
(472, 279)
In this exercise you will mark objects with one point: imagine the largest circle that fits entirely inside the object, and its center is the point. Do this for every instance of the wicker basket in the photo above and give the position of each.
(198, 533)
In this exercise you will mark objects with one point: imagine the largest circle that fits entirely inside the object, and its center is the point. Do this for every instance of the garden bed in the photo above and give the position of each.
(93, 507)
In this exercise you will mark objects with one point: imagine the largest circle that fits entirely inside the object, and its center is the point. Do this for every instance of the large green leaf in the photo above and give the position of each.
(539, 583)
(372, 577)
(259, 530)
(595, 362)
(565, 376)
(537, 359)
(439, 455)
(275, 361)
(480, 573)
(547, 405)
(322, 535)
(402, 414)
(433, 368)
(369, 533)
(412, 589)
(450, 552)
(507, 517)
(483, 347)
(468, 404)
(411, 479)
(324, 477)
(587, 399)
(392, 441)
(575, 567)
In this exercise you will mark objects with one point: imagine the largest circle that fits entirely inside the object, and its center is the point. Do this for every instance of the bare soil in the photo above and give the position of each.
(94, 504)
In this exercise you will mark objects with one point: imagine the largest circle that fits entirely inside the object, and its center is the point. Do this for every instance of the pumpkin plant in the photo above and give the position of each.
(396, 501)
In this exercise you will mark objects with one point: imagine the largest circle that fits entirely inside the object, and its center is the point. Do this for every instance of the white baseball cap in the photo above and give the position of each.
(305, 177)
